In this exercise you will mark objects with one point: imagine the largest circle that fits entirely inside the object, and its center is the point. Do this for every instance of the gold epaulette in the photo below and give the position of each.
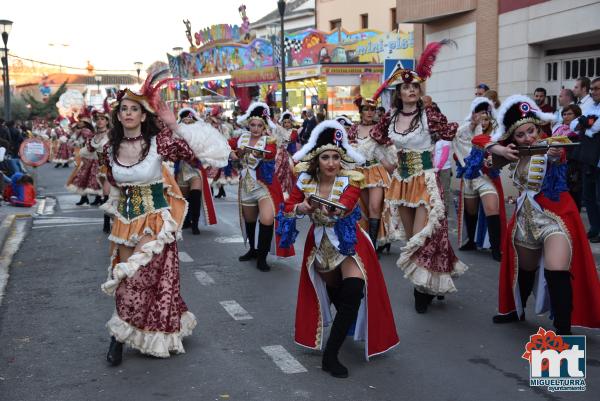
(301, 167)
(357, 179)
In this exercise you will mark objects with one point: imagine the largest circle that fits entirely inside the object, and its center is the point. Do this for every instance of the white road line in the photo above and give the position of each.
(232, 239)
(11, 246)
(41, 206)
(235, 310)
(286, 362)
(203, 277)
(43, 221)
(184, 257)
(67, 225)
(79, 210)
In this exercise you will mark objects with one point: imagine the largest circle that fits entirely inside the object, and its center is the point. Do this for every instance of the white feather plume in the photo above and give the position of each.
(476, 102)
(314, 136)
(208, 144)
(344, 119)
(508, 103)
(287, 112)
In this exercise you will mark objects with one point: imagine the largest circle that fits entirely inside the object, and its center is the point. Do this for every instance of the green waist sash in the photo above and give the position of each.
(137, 200)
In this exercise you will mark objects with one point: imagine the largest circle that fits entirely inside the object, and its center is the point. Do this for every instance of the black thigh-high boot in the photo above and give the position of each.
(106, 227)
(493, 226)
(333, 293)
(422, 300)
(195, 201)
(374, 230)
(265, 236)
(115, 352)
(187, 221)
(83, 201)
(561, 299)
(349, 296)
(471, 226)
(251, 234)
(526, 280)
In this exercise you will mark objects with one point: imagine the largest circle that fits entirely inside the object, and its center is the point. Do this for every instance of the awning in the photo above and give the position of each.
(264, 75)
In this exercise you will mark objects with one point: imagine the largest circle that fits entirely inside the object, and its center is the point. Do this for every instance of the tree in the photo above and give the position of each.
(46, 109)
(18, 107)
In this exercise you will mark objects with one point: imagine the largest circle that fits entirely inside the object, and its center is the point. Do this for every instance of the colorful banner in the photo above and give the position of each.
(385, 46)
(259, 75)
(369, 82)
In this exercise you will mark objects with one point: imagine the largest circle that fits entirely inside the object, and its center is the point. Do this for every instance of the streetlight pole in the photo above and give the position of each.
(281, 7)
(5, 27)
(138, 69)
(98, 79)
(178, 50)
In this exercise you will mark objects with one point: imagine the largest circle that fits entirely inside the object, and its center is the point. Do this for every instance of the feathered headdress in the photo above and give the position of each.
(85, 115)
(149, 94)
(258, 110)
(103, 111)
(287, 115)
(422, 70)
(516, 111)
(480, 104)
(328, 135)
(344, 120)
(186, 112)
(361, 102)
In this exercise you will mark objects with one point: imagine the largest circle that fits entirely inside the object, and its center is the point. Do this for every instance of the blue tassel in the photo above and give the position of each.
(265, 171)
(555, 181)
(286, 229)
(345, 229)
(473, 164)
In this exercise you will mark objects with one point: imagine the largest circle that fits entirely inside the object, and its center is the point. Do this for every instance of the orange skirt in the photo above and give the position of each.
(376, 176)
(409, 193)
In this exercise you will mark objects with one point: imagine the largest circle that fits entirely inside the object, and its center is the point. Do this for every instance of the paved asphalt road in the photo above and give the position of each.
(53, 340)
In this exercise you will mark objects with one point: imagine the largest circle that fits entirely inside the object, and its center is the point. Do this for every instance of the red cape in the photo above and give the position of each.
(584, 278)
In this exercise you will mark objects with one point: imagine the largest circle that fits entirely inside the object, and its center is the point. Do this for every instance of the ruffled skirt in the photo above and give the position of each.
(150, 315)
(84, 178)
(427, 258)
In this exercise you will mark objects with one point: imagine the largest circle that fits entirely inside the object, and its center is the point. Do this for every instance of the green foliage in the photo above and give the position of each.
(45, 109)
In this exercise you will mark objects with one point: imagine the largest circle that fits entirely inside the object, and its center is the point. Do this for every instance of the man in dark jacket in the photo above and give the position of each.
(307, 126)
(15, 143)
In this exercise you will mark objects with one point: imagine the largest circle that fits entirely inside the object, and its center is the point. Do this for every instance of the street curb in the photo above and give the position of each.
(6, 227)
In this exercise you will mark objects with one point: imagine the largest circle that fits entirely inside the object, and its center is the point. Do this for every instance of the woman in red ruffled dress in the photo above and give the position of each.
(339, 266)
(149, 209)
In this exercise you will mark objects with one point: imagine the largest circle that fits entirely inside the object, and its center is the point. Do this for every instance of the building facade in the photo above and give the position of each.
(354, 15)
(299, 15)
(514, 46)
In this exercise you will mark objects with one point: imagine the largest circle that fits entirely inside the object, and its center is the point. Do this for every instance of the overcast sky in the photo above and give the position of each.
(113, 34)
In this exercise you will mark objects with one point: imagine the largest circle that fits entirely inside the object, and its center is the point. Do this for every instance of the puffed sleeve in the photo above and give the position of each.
(380, 131)
(173, 149)
(439, 125)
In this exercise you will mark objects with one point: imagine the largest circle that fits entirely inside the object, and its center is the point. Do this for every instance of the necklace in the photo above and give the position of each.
(410, 113)
(133, 139)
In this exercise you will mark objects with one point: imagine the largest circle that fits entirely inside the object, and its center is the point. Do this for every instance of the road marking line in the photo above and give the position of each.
(203, 277)
(67, 225)
(283, 359)
(41, 205)
(63, 220)
(235, 310)
(184, 257)
(232, 239)
(11, 246)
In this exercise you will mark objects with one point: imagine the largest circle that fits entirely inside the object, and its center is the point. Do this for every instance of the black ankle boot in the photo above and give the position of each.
(106, 227)
(422, 300)
(349, 296)
(97, 201)
(471, 226)
(115, 352)
(561, 299)
(265, 236)
(222, 192)
(66, 165)
(195, 202)
(374, 230)
(57, 166)
(385, 247)
(493, 226)
(526, 280)
(251, 234)
(83, 201)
